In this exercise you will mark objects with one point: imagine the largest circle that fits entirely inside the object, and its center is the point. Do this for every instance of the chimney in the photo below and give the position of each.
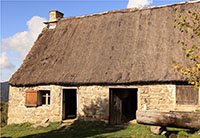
(54, 17)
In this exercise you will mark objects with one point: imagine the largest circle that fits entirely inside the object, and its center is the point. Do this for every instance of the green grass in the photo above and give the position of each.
(3, 113)
(86, 129)
(25, 129)
(184, 133)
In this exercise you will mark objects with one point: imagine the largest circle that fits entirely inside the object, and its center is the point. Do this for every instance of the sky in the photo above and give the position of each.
(22, 21)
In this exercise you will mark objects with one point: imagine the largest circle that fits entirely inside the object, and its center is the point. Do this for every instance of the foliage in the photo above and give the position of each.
(188, 22)
(89, 129)
(3, 113)
(197, 110)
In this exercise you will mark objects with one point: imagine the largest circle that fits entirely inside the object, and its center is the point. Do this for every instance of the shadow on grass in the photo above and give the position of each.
(94, 110)
(173, 132)
(79, 129)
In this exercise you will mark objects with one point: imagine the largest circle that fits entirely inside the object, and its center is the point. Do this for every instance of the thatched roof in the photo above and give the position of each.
(117, 47)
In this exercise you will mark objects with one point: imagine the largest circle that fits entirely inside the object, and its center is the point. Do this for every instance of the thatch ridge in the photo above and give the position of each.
(120, 48)
(129, 10)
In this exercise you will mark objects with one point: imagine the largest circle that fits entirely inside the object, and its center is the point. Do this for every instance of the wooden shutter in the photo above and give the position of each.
(187, 95)
(31, 98)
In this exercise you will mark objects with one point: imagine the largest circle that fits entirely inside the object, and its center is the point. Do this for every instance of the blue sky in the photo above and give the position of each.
(21, 22)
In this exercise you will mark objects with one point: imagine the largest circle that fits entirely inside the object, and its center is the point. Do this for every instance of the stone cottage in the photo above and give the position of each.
(103, 66)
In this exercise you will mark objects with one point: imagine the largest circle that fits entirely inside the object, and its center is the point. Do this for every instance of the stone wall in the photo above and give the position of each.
(19, 113)
(92, 102)
(157, 97)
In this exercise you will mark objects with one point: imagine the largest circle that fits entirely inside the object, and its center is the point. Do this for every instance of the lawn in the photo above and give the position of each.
(86, 129)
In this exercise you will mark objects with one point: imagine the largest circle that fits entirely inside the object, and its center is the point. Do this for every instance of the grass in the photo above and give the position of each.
(184, 133)
(25, 129)
(86, 129)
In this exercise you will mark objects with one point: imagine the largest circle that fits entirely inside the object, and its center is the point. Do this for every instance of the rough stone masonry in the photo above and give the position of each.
(92, 102)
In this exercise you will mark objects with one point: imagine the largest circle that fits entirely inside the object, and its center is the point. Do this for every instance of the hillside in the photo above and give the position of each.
(4, 91)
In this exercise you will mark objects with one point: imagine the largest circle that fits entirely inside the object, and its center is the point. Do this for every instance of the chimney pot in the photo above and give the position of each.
(54, 17)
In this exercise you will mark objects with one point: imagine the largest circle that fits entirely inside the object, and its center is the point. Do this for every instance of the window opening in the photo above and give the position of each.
(45, 97)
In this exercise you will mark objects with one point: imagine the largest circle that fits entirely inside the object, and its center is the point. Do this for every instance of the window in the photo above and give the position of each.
(187, 95)
(45, 97)
(35, 98)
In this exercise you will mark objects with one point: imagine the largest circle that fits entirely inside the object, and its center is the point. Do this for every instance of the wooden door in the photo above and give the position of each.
(187, 95)
(64, 104)
(69, 104)
(115, 109)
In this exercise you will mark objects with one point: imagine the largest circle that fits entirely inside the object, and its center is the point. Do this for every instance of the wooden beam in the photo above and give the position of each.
(169, 119)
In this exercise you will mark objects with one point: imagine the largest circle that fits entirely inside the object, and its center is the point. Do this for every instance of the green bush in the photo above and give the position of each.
(3, 113)
(197, 110)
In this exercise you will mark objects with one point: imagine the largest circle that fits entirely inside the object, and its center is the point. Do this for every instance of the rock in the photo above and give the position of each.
(46, 120)
(173, 136)
(164, 133)
(157, 130)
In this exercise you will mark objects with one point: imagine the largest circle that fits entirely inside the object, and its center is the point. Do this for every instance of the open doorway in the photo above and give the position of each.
(123, 105)
(69, 104)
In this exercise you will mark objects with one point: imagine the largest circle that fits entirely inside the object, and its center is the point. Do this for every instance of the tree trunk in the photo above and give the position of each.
(169, 119)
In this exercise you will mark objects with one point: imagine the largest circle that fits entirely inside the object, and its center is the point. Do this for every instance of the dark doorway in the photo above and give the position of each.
(69, 104)
(123, 105)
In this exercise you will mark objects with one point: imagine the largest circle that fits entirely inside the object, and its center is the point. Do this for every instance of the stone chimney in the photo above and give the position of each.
(54, 17)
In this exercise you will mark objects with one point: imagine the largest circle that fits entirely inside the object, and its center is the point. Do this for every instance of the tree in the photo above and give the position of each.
(188, 22)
